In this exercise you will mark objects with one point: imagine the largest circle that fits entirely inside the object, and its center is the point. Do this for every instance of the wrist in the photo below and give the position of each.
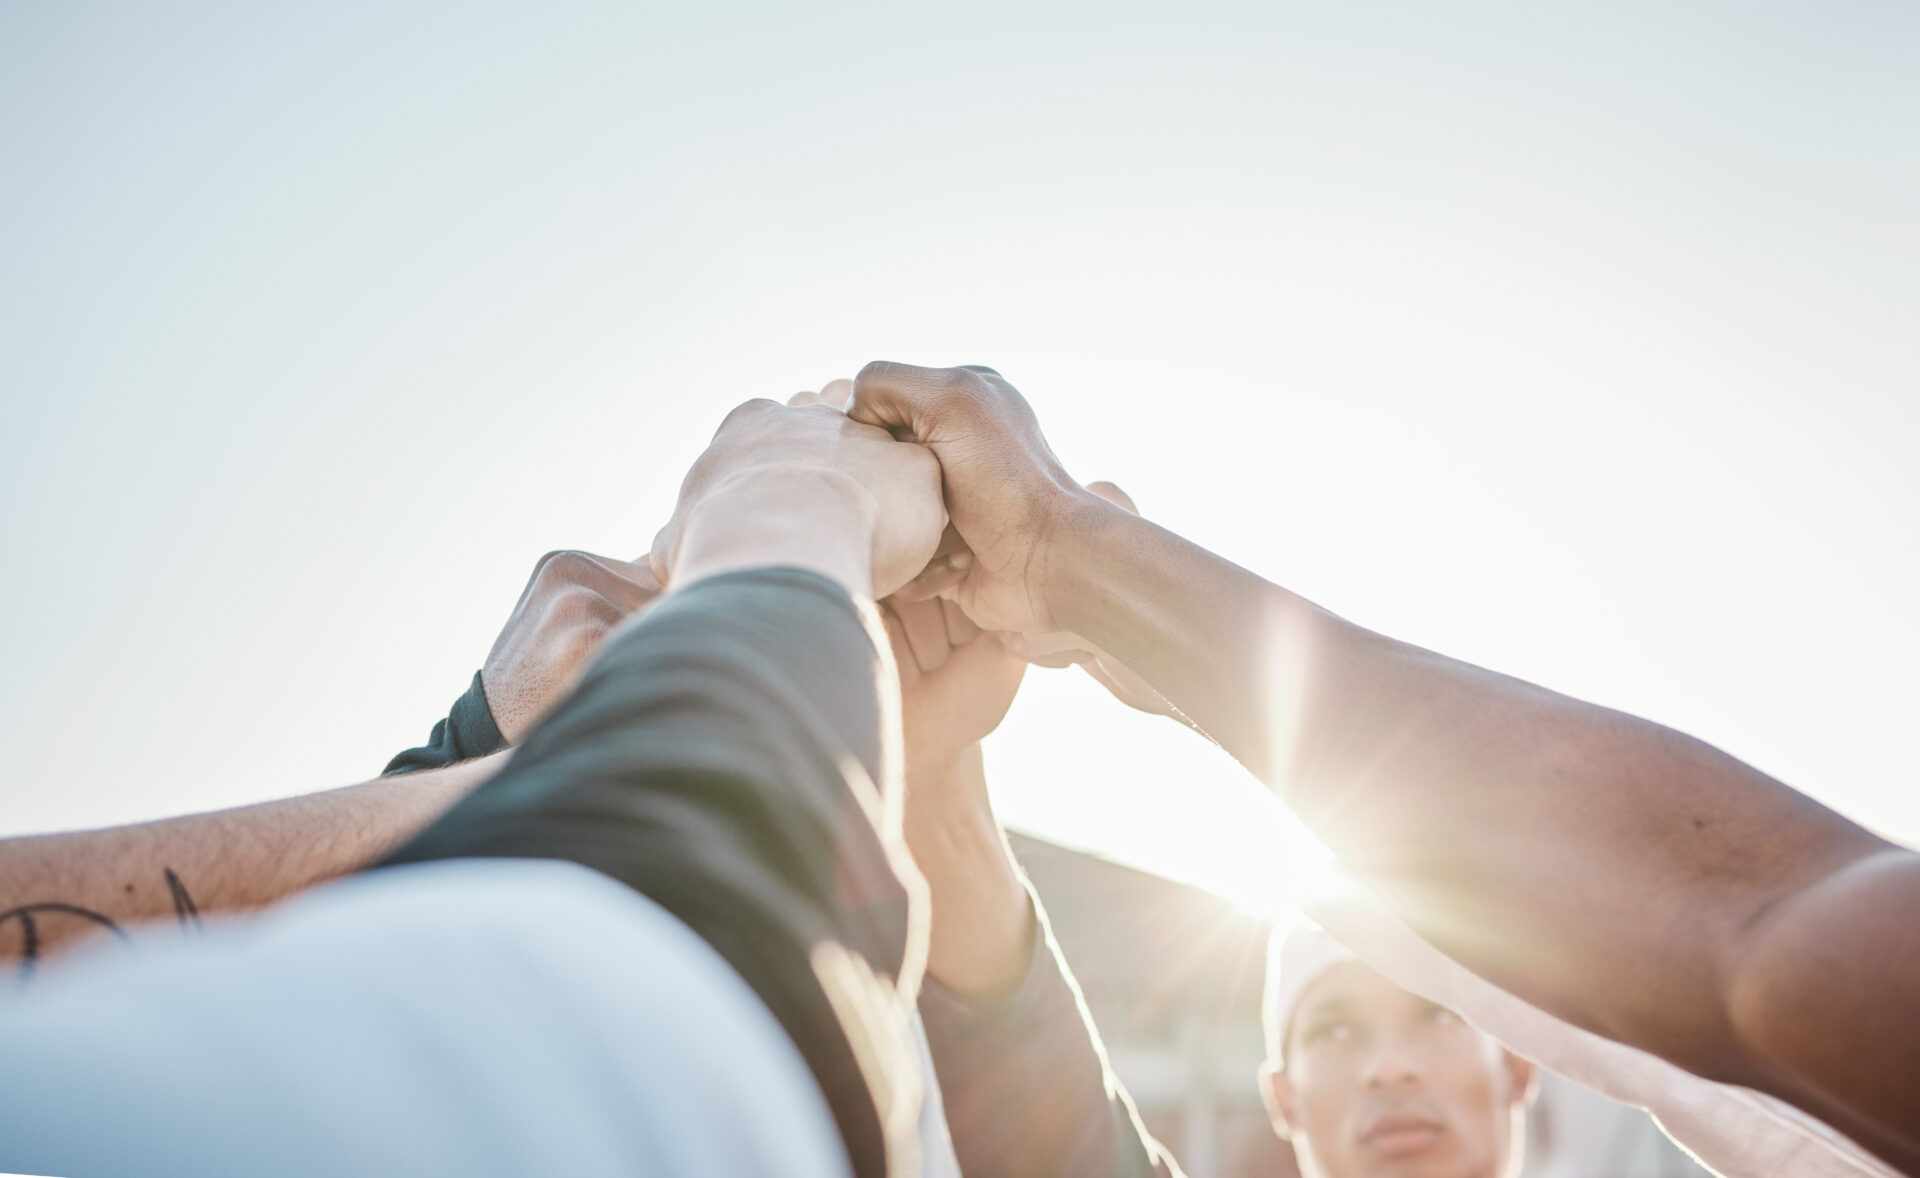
(788, 516)
(1080, 537)
(983, 926)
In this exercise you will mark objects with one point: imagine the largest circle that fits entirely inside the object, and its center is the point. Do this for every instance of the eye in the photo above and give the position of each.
(1440, 1016)
(1329, 1031)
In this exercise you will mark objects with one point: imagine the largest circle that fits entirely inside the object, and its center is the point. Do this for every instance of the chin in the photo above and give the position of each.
(1444, 1159)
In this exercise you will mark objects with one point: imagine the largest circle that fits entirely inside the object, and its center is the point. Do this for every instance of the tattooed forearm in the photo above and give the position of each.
(178, 870)
(38, 930)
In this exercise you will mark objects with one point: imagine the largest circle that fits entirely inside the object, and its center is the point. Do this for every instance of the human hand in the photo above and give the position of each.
(835, 393)
(808, 487)
(1008, 495)
(569, 605)
(956, 682)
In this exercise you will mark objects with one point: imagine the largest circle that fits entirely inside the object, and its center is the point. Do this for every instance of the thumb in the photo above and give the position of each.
(1114, 495)
(894, 397)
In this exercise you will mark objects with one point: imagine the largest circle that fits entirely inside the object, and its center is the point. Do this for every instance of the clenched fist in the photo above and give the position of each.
(1008, 495)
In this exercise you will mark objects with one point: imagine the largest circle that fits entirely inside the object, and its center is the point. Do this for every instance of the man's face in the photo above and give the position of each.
(1380, 1083)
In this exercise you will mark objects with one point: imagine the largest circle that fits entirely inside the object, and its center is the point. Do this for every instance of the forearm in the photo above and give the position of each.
(1206, 633)
(60, 888)
(1615, 872)
(1025, 1077)
(982, 928)
(1553, 846)
(1022, 1072)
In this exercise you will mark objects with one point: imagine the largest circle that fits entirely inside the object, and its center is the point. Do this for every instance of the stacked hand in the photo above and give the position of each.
(934, 493)
(1009, 498)
(1015, 495)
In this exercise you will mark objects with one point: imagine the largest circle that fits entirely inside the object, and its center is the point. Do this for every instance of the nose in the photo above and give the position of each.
(1392, 1060)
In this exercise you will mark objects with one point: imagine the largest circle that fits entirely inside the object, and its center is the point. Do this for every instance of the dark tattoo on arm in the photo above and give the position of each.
(185, 912)
(184, 909)
(30, 929)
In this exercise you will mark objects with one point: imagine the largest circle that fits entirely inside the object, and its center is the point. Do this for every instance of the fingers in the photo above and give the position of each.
(837, 393)
(977, 672)
(746, 411)
(642, 572)
(1043, 648)
(960, 627)
(951, 560)
(1114, 495)
(925, 625)
(927, 635)
(902, 650)
(894, 396)
(627, 585)
(660, 556)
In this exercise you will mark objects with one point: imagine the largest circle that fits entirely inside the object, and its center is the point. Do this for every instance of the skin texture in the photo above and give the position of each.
(1380, 1083)
(1007, 494)
(61, 888)
(159, 878)
(956, 684)
(1065, 650)
(787, 485)
(156, 879)
(571, 602)
(1618, 874)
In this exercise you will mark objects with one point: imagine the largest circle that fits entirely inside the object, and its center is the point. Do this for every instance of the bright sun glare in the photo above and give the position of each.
(1266, 863)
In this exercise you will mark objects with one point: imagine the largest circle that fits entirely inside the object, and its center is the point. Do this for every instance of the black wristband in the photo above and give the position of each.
(466, 733)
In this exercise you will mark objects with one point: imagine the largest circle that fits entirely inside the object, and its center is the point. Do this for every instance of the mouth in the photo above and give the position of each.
(1402, 1133)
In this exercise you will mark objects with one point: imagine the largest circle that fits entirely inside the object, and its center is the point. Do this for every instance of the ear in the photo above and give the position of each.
(1276, 1092)
(1523, 1080)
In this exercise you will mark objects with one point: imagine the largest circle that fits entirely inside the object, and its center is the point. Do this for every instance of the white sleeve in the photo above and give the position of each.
(1736, 1132)
(481, 1018)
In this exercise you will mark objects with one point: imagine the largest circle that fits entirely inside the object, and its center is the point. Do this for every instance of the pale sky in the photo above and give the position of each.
(1582, 346)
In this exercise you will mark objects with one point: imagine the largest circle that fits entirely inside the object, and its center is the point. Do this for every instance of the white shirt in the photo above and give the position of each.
(478, 1018)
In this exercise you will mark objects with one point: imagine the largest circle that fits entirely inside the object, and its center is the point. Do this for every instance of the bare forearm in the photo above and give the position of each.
(1022, 1070)
(1555, 847)
(56, 889)
(982, 928)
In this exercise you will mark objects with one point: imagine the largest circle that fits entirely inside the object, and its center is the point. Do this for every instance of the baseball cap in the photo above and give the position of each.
(1296, 959)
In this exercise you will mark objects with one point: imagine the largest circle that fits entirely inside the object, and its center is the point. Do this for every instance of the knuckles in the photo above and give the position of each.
(746, 412)
(577, 609)
(973, 390)
(564, 566)
(571, 585)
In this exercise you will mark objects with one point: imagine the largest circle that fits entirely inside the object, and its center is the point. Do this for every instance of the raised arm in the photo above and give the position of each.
(1022, 1070)
(61, 888)
(1611, 871)
(734, 754)
(57, 889)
